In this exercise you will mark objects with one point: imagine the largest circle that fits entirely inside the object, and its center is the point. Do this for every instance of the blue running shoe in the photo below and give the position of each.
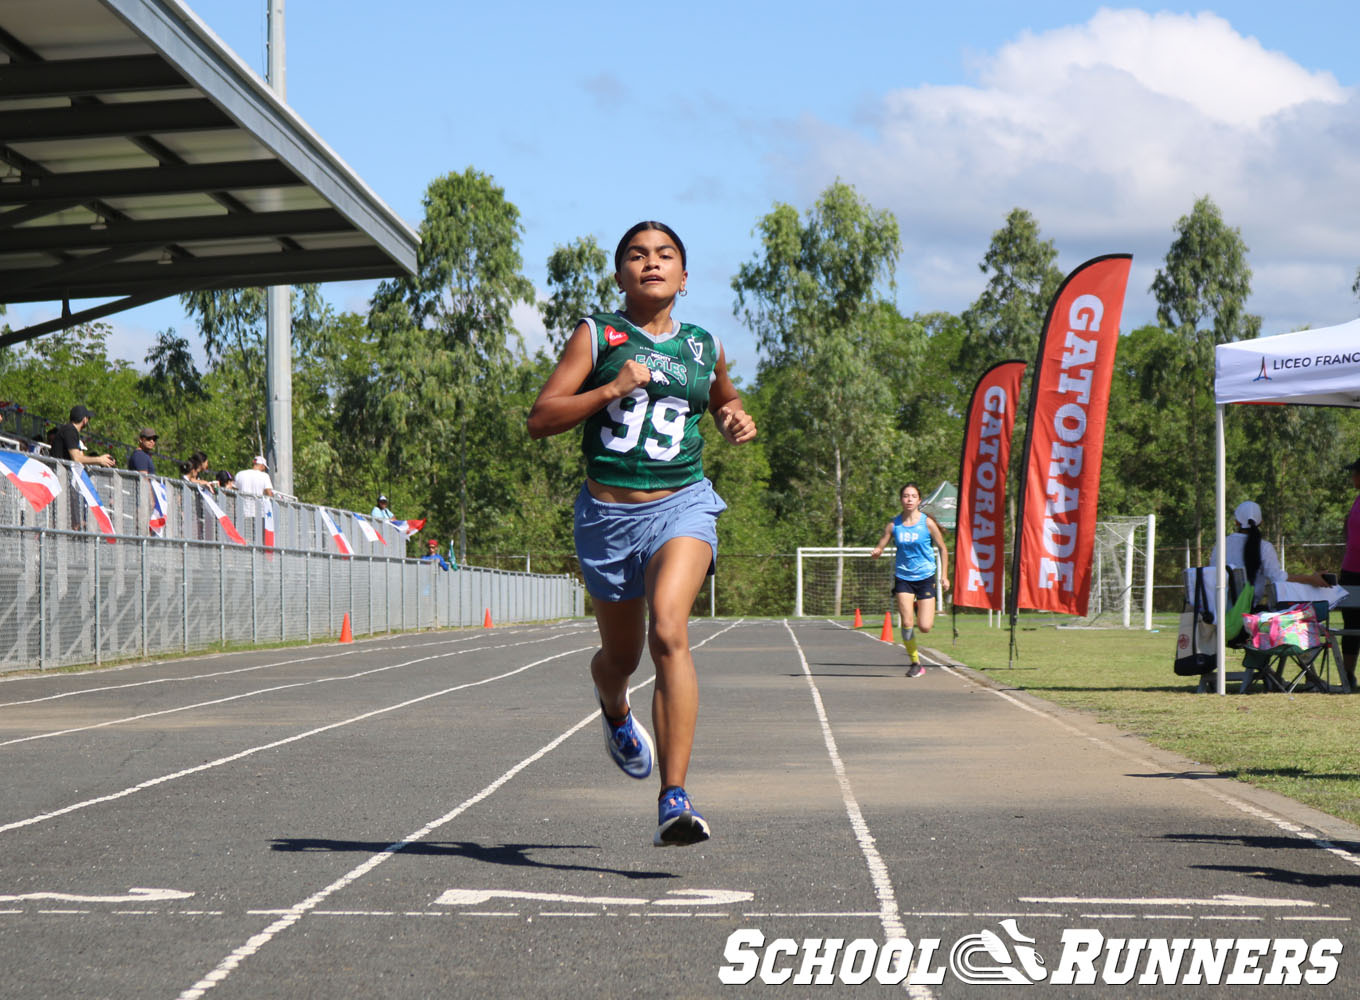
(629, 744)
(678, 825)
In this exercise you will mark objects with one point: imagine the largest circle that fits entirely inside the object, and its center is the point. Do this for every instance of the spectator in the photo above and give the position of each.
(141, 455)
(67, 442)
(255, 480)
(195, 468)
(433, 555)
(225, 480)
(381, 512)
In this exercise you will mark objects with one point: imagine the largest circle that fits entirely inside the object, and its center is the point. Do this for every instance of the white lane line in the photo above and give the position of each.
(220, 761)
(330, 654)
(295, 913)
(1314, 837)
(888, 914)
(268, 690)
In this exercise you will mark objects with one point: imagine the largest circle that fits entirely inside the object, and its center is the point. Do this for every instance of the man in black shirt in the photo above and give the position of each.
(141, 457)
(68, 444)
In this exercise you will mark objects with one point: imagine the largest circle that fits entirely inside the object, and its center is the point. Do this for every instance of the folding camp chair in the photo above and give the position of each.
(1288, 668)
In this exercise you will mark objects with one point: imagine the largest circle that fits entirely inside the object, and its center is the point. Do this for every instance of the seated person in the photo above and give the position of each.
(1245, 547)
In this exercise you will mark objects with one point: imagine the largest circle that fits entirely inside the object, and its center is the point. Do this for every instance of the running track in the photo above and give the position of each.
(433, 815)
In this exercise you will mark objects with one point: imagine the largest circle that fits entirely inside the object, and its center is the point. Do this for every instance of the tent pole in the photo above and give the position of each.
(1221, 570)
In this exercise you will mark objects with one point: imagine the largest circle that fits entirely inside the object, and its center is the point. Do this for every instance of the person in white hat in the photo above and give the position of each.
(1246, 548)
(255, 480)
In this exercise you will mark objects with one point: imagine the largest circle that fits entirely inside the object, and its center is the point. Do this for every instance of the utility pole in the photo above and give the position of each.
(278, 314)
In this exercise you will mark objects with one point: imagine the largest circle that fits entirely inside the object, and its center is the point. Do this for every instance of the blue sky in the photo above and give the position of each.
(1105, 123)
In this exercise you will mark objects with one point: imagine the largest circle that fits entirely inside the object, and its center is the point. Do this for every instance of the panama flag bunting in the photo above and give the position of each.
(38, 483)
(341, 542)
(228, 528)
(408, 528)
(367, 531)
(160, 503)
(85, 486)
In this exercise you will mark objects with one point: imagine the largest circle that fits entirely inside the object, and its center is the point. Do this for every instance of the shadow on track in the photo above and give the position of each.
(510, 855)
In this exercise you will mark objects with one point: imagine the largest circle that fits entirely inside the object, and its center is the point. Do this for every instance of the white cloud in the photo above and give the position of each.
(1107, 132)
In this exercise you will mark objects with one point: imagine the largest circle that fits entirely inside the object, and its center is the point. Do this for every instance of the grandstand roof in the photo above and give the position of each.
(141, 158)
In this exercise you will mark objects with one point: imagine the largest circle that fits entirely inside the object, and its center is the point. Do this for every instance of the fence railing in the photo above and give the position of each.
(71, 598)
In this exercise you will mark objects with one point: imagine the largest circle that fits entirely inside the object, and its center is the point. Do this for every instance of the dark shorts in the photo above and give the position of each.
(1350, 617)
(614, 541)
(922, 590)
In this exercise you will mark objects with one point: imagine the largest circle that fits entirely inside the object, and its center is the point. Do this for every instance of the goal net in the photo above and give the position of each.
(1121, 574)
(835, 581)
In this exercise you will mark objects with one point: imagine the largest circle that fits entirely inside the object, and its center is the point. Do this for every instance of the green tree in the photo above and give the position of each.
(813, 297)
(443, 337)
(1023, 277)
(1201, 294)
(581, 283)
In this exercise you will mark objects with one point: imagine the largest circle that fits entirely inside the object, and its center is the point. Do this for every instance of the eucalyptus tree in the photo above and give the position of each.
(1023, 277)
(444, 336)
(813, 295)
(581, 283)
(1201, 293)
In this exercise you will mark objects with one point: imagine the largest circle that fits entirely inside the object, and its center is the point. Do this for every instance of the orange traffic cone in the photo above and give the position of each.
(345, 634)
(887, 634)
(859, 622)
(486, 619)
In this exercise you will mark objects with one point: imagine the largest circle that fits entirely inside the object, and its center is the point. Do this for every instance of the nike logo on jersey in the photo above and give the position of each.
(614, 337)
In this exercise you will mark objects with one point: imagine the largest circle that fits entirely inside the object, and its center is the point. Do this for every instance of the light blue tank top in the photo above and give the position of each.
(915, 550)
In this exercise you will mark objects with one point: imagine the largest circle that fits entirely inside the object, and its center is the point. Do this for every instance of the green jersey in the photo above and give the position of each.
(649, 439)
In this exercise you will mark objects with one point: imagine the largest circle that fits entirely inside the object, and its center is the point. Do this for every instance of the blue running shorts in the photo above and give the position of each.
(615, 541)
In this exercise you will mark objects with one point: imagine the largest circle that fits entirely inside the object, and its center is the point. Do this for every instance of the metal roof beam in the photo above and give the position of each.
(83, 77)
(226, 271)
(101, 121)
(160, 232)
(84, 185)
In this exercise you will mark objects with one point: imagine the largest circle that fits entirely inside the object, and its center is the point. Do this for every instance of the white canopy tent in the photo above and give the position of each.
(1309, 368)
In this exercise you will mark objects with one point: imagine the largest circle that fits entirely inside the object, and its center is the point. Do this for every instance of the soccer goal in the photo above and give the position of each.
(835, 581)
(1121, 574)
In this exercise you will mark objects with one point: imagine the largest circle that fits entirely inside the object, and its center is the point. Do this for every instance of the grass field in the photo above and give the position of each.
(1302, 745)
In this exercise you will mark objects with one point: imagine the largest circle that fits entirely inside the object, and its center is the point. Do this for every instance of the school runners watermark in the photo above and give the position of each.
(1086, 957)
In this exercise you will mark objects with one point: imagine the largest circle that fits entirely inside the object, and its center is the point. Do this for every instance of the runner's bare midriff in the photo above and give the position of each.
(618, 494)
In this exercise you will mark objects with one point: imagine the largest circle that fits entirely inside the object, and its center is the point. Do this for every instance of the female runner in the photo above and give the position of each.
(638, 382)
(917, 536)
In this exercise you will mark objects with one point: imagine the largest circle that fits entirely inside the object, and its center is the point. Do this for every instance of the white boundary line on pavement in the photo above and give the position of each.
(299, 910)
(152, 782)
(329, 654)
(270, 690)
(888, 913)
(1314, 837)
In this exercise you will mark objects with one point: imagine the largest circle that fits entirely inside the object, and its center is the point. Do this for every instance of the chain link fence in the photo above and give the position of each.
(70, 595)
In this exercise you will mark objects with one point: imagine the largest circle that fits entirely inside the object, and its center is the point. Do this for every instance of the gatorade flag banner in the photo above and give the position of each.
(228, 528)
(160, 503)
(980, 546)
(85, 486)
(408, 528)
(267, 515)
(367, 531)
(341, 542)
(38, 483)
(1066, 438)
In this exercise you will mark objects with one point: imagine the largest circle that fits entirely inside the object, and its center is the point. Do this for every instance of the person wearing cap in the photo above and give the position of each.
(1350, 574)
(382, 512)
(255, 480)
(68, 444)
(433, 554)
(141, 455)
(1246, 548)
